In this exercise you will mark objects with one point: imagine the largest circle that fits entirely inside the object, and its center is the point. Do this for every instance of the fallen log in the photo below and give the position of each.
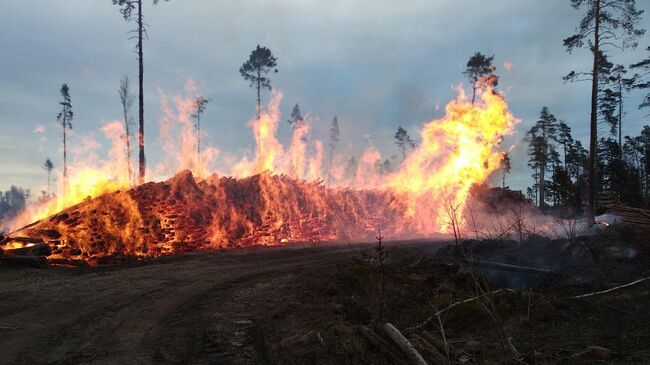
(438, 356)
(379, 343)
(611, 289)
(511, 267)
(435, 341)
(24, 260)
(404, 344)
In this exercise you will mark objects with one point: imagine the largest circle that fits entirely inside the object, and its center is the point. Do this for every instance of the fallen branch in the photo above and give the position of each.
(611, 289)
(436, 355)
(510, 267)
(404, 344)
(436, 314)
(440, 345)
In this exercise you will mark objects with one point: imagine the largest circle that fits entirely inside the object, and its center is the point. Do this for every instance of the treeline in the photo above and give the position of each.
(560, 168)
(12, 202)
(568, 178)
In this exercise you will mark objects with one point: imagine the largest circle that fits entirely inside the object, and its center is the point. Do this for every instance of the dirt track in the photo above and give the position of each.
(196, 308)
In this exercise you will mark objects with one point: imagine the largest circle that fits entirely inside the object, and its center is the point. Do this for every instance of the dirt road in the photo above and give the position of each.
(193, 309)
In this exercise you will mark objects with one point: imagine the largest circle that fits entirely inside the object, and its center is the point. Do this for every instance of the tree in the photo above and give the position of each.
(199, 107)
(643, 81)
(403, 141)
(351, 168)
(505, 168)
(604, 23)
(540, 138)
(296, 117)
(126, 99)
(334, 141)
(255, 70)
(48, 166)
(385, 167)
(480, 72)
(13, 201)
(564, 138)
(65, 118)
(127, 7)
(622, 86)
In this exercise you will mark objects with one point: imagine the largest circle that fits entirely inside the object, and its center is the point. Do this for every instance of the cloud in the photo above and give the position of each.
(39, 129)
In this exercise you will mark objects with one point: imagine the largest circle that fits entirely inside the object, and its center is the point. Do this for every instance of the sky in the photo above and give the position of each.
(376, 64)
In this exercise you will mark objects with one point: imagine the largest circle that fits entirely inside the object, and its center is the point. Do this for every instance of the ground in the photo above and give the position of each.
(303, 304)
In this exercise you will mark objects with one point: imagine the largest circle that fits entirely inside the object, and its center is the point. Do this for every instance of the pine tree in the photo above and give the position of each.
(255, 70)
(540, 137)
(127, 7)
(333, 142)
(48, 166)
(604, 23)
(296, 117)
(65, 118)
(126, 99)
(403, 141)
(199, 108)
(480, 72)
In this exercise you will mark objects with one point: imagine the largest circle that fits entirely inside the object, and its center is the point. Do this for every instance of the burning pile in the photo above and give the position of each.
(285, 203)
(184, 214)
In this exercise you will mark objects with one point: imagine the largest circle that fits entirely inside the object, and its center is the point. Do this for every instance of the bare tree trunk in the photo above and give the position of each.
(329, 166)
(591, 176)
(542, 169)
(259, 127)
(141, 158)
(65, 158)
(127, 137)
(620, 115)
(474, 90)
(198, 138)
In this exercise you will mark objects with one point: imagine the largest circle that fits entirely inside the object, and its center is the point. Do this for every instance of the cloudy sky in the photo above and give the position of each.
(376, 64)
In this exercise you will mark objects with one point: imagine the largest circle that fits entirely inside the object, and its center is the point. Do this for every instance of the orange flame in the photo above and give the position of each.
(455, 152)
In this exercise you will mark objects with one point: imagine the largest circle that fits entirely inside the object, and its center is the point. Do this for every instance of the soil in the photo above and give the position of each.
(303, 304)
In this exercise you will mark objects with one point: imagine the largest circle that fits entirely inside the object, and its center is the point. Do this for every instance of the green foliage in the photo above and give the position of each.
(127, 7)
(296, 117)
(255, 70)
(65, 115)
(643, 81)
(335, 133)
(480, 72)
(12, 202)
(403, 141)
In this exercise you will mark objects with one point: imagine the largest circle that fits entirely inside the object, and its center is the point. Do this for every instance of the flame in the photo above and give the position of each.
(179, 136)
(454, 153)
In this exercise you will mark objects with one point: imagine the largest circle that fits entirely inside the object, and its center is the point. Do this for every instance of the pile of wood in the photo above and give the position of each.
(186, 214)
(635, 217)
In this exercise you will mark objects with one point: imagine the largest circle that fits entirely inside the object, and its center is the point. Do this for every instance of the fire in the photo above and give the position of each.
(456, 152)
(267, 201)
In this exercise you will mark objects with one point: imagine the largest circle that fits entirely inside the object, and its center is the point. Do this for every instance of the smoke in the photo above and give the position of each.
(179, 136)
(455, 152)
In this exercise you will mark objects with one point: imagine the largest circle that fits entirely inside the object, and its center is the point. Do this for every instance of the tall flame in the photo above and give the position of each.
(455, 152)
